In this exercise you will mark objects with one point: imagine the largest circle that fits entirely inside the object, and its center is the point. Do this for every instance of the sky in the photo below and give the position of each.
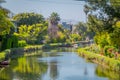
(69, 10)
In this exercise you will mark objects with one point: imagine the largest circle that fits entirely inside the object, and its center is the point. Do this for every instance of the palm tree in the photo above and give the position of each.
(54, 18)
(53, 25)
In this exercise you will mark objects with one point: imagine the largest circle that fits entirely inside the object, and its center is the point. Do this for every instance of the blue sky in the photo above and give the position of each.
(67, 9)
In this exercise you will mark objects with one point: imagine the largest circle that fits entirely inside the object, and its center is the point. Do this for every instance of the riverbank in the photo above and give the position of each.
(101, 71)
(13, 52)
(4, 54)
(108, 63)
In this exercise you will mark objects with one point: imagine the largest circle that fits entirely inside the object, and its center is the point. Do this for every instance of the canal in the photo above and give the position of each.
(55, 64)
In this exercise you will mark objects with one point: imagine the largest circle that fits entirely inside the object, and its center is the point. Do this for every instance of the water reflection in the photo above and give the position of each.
(53, 70)
(55, 64)
(112, 75)
(29, 68)
(68, 66)
(24, 68)
(85, 71)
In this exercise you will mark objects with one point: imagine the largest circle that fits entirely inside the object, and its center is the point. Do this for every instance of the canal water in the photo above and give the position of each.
(57, 64)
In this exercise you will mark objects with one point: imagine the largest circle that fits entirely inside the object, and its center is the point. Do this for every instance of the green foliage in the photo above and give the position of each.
(93, 48)
(54, 18)
(115, 35)
(31, 33)
(45, 46)
(109, 51)
(107, 62)
(53, 40)
(61, 37)
(94, 24)
(115, 3)
(14, 43)
(4, 54)
(9, 42)
(52, 45)
(22, 43)
(102, 72)
(75, 37)
(47, 39)
(5, 24)
(28, 18)
(102, 39)
(105, 20)
(81, 29)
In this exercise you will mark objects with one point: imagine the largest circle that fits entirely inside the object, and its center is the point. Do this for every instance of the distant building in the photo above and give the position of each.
(67, 26)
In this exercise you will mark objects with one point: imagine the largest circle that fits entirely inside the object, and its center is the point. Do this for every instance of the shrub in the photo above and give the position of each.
(9, 41)
(22, 43)
(110, 63)
(109, 51)
(102, 39)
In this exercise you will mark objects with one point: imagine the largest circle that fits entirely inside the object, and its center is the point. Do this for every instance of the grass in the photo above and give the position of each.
(101, 71)
(107, 62)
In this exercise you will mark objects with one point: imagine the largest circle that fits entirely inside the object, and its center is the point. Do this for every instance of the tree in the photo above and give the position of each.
(115, 35)
(8, 40)
(104, 17)
(5, 24)
(107, 11)
(5, 11)
(54, 18)
(81, 29)
(28, 18)
(31, 33)
(75, 37)
(53, 25)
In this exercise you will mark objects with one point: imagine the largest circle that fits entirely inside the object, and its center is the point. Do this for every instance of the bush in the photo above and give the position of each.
(109, 51)
(102, 39)
(22, 43)
(9, 41)
(46, 46)
(4, 55)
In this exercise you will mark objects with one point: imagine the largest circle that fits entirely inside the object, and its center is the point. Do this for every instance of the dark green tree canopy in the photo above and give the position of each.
(28, 18)
(104, 20)
(103, 13)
